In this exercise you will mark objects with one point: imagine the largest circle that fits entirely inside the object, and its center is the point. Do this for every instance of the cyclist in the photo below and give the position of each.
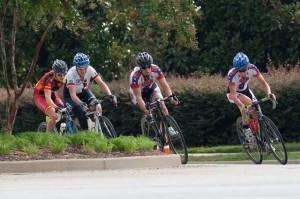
(238, 91)
(143, 87)
(45, 92)
(76, 91)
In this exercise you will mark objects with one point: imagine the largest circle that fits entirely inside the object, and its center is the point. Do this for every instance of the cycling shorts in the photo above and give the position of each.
(246, 92)
(147, 93)
(41, 103)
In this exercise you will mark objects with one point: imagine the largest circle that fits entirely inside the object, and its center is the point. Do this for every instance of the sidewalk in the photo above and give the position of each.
(90, 164)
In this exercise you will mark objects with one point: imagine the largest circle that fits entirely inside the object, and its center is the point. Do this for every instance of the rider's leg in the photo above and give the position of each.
(53, 117)
(247, 101)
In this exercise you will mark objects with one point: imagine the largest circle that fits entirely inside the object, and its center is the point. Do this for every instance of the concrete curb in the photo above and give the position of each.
(90, 164)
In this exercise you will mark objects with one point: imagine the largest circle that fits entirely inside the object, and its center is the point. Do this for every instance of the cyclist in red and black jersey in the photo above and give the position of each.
(45, 92)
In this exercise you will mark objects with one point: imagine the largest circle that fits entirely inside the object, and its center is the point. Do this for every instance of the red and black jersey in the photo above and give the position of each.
(47, 82)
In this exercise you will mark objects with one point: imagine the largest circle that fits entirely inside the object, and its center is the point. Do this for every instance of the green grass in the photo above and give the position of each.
(236, 153)
(32, 142)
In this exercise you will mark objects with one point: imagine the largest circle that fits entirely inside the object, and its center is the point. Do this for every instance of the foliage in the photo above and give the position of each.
(259, 28)
(32, 142)
(92, 142)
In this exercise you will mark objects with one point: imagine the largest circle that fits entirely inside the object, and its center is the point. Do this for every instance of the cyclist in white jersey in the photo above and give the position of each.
(143, 87)
(76, 91)
(238, 91)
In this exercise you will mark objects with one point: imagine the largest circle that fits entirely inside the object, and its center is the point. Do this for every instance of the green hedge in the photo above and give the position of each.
(206, 119)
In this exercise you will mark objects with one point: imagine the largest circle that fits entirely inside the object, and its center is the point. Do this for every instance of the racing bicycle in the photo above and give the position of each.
(164, 130)
(66, 122)
(266, 135)
(96, 121)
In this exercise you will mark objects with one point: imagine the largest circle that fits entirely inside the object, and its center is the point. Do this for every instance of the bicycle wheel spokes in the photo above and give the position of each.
(106, 127)
(274, 140)
(253, 150)
(175, 138)
(147, 131)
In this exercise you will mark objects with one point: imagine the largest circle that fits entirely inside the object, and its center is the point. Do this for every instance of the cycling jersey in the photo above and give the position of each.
(137, 79)
(80, 84)
(241, 83)
(47, 82)
(146, 83)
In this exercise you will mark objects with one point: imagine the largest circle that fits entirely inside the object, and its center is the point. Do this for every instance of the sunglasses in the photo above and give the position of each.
(241, 71)
(145, 67)
(61, 74)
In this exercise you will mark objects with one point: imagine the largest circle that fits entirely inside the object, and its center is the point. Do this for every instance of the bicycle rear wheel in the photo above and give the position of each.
(106, 127)
(175, 140)
(253, 150)
(274, 140)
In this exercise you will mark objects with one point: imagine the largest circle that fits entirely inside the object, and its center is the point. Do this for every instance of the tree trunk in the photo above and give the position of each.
(12, 108)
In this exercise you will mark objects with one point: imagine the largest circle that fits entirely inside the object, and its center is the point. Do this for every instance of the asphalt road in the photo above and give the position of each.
(189, 181)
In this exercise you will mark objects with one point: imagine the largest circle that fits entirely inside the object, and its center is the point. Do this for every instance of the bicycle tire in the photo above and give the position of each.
(147, 131)
(42, 127)
(274, 140)
(253, 150)
(106, 127)
(176, 142)
(152, 133)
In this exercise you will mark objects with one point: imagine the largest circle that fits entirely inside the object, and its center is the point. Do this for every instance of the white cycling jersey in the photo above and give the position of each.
(73, 78)
(241, 83)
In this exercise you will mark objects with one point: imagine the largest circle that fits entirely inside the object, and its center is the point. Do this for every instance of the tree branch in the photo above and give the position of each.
(12, 48)
(37, 49)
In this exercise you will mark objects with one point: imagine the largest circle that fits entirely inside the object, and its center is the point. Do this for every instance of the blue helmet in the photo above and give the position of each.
(240, 61)
(81, 60)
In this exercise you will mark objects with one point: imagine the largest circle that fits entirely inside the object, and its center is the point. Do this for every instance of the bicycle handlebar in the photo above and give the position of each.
(274, 102)
(158, 100)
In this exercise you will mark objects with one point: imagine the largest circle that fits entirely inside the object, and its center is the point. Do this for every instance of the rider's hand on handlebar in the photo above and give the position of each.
(174, 100)
(58, 109)
(84, 106)
(113, 99)
(272, 96)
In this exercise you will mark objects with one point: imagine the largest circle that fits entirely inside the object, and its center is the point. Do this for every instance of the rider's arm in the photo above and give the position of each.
(166, 88)
(73, 94)
(266, 86)
(102, 85)
(138, 94)
(48, 98)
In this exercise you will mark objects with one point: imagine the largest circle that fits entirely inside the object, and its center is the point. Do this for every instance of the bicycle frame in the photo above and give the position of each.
(257, 109)
(266, 136)
(94, 113)
(157, 114)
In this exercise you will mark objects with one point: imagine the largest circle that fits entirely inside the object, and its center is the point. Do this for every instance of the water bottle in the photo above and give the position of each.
(62, 127)
(91, 124)
(254, 126)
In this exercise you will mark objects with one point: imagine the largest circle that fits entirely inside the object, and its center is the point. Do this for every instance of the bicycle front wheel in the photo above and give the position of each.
(253, 150)
(274, 140)
(106, 127)
(42, 127)
(147, 130)
(175, 138)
